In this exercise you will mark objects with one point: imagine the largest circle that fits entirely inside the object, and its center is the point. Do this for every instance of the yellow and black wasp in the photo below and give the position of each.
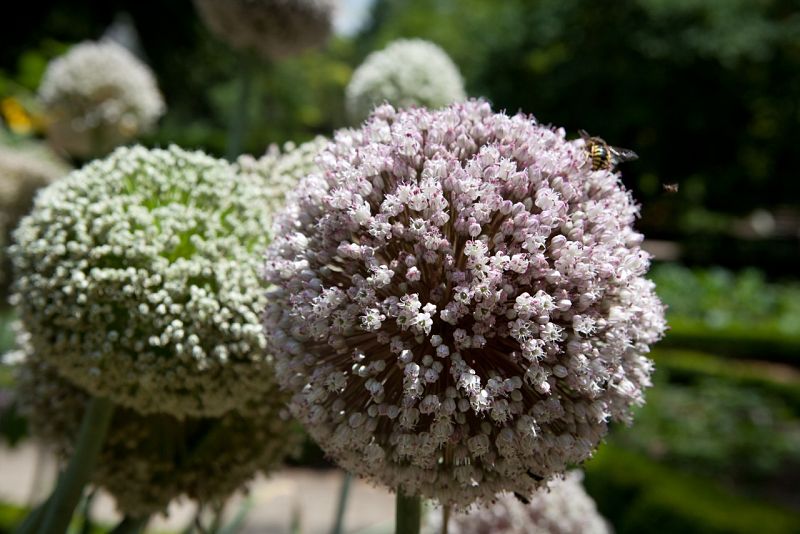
(603, 155)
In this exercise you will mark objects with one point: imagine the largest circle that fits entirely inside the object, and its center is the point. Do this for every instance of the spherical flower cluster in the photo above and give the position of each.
(281, 171)
(408, 72)
(273, 29)
(137, 278)
(149, 460)
(459, 305)
(23, 171)
(98, 96)
(563, 507)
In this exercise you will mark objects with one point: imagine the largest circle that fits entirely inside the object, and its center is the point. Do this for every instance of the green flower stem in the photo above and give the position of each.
(70, 485)
(342, 505)
(131, 525)
(238, 124)
(33, 520)
(85, 511)
(408, 514)
(445, 518)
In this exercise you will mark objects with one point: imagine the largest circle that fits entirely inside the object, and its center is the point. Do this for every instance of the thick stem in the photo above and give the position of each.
(342, 505)
(70, 485)
(131, 525)
(408, 514)
(445, 518)
(238, 124)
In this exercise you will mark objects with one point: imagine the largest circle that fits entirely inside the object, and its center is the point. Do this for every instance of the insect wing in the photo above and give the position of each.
(622, 154)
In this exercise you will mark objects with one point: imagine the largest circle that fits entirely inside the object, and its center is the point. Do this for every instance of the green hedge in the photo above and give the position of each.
(741, 314)
(757, 342)
(688, 366)
(640, 496)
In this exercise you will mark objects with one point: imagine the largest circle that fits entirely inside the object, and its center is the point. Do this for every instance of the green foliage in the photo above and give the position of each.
(719, 428)
(13, 426)
(6, 333)
(721, 299)
(726, 30)
(762, 342)
(294, 100)
(780, 382)
(9, 517)
(741, 314)
(640, 496)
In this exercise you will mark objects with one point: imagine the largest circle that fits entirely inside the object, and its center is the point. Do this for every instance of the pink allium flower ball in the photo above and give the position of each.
(563, 507)
(459, 306)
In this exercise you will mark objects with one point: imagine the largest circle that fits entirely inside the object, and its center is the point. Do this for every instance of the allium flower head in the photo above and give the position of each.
(408, 72)
(98, 96)
(563, 507)
(23, 171)
(149, 460)
(137, 278)
(281, 170)
(273, 29)
(459, 303)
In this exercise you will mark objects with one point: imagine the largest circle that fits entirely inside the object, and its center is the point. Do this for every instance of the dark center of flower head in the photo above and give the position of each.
(459, 303)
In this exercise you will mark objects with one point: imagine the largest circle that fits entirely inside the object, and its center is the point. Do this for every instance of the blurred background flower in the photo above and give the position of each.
(273, 29)
(24, 169)
(96, 97)
(562, 507)
(408, 72)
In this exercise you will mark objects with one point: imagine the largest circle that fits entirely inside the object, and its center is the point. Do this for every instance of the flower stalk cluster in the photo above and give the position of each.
(147, 461)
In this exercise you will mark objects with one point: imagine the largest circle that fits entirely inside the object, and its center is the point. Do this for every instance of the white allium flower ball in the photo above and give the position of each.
(408, 72)
(137, 277)
(273, 29)
(23, 171)
(281, 170)
(563, 507)
(459, 305)
(98, 96)
(149, 460)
